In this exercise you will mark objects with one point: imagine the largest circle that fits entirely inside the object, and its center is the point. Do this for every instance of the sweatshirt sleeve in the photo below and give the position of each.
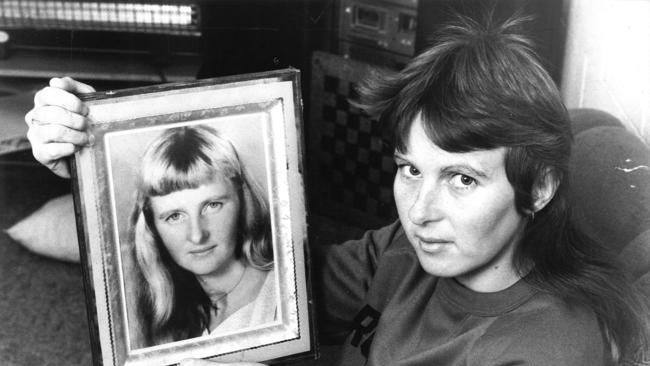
(342, 276)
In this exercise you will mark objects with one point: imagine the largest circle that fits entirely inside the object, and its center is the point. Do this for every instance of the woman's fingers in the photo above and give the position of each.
(44, 133)
(51, 114)
(53, 143)
(71, 85)
(60, 97)
(55, 151)
(52, 156)
(58, 123)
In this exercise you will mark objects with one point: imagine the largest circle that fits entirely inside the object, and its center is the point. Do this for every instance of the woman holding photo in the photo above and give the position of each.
(485, 265)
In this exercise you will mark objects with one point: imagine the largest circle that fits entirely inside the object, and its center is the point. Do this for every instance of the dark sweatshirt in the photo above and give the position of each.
(373, 295)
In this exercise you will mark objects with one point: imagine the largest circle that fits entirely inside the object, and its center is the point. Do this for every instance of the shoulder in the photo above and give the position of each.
(369, 249)
(390, 238)
(544, 331)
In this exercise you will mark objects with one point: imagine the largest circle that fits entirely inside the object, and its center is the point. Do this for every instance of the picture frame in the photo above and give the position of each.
(261, 117)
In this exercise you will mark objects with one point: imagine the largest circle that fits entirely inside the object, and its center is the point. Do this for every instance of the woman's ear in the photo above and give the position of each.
(544, 189)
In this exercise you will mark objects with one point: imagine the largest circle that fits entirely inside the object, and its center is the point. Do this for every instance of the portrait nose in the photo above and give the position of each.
(197, 232)
(426, 206)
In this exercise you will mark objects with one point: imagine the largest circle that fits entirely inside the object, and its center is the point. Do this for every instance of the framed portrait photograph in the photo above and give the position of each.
(190, 208)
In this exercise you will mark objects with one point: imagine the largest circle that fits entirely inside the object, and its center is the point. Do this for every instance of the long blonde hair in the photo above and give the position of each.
(186, 157)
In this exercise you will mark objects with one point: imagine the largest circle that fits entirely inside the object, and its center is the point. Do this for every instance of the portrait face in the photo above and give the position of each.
(199, 226)
(458, 211)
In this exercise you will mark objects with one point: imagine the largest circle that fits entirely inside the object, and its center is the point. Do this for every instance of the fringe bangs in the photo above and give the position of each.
(185, 158)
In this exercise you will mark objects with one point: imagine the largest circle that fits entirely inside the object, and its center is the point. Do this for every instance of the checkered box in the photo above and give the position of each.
(351, 169)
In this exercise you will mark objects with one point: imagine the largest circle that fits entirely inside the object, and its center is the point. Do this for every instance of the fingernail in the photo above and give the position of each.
(91, 140)
(56, 82)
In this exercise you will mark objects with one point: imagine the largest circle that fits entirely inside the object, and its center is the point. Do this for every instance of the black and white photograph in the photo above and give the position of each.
(190, 185)
(325, 182)
(192, 219)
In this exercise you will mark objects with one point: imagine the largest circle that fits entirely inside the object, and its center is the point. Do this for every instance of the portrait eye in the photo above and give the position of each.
(212, 206)
(173, 218)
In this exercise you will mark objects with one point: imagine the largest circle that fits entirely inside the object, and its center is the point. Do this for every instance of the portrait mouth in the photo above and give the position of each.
(203, 250)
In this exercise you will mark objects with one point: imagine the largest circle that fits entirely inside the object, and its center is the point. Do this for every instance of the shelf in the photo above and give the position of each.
(97, 66)
(25, 65)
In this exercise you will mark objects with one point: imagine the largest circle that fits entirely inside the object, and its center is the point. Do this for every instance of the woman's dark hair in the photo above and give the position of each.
(481, 86)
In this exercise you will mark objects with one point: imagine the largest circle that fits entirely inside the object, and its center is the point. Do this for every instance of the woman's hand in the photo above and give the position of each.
(58, 124)
(197, 362)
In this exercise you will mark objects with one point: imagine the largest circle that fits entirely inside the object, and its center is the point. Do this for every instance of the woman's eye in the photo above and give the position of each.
(409, 170)
(463, 181)
(173, 218)
(212, 206)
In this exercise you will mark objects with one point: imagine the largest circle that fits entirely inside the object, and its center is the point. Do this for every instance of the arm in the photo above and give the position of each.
(342, 276)
(58, 123)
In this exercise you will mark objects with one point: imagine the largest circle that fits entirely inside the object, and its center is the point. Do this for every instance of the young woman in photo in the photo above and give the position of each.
(201, 235)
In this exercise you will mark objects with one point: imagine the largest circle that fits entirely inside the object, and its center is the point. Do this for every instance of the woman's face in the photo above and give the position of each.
(458, 211)
(199, 226)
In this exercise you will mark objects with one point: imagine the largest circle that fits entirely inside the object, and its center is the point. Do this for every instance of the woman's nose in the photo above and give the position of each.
(426, 205)
(197, 234)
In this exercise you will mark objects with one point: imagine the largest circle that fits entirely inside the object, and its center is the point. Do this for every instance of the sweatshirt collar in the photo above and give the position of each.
(485, 303)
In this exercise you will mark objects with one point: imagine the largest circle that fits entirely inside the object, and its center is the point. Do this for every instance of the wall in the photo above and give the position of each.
(607, 60)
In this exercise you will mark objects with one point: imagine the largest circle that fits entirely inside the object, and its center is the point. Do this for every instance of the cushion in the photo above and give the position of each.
(50, 230)
(42, 302)
(610, 180)
(583, 119)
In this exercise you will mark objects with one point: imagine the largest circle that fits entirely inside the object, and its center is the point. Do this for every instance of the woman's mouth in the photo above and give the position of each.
(431, 245)
(203, 250)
